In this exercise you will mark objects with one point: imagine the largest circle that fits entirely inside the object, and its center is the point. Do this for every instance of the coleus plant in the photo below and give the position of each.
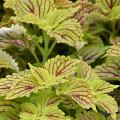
(58, 87)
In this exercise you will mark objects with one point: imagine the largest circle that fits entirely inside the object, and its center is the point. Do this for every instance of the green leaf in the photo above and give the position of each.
(63, 3)
(79, 91)
(86, 72)
(114, 50)
(39, 8)
(61, 66)
(6, 61)
(9, 110)
(110, 118)
(110, 69)
(107, 5)
(89, 115)
(108, 103)
(85, 8)
(90, 53)
(101, 87)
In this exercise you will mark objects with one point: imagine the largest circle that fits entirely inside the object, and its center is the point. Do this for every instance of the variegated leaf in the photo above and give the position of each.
(39, 8)
(110, 69)
(61, 66)
(114, 50)
(85, 8)
(79, 91)
(89, 115)
(107, 5)
(101, 87)
(91, 52)
(86, 72)
(108, 103)
(9, 110)
(63, 3)
(22, 85)
(6, 61)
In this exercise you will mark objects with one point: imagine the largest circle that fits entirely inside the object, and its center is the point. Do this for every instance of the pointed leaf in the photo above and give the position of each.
(108, 103)
(61, 66)
(79, 91)
(110, 69)
(6, 61)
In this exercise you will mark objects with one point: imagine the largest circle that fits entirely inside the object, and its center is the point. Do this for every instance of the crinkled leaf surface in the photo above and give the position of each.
(6, 61)
(110, 69)
(61, 66)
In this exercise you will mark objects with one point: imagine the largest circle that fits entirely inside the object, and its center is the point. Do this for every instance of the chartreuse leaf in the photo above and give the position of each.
(9, 110)
(108, 103)
(90, 115)
(85, 71)
(91, 52)
(110, 69)
(110, 118)
(85, 8)
(107, 5)
(61, 66)
(101, 87)
(63, 3)
(79, 91)
(39, 8)
(45, 109)
(6, 61)
(114, 50)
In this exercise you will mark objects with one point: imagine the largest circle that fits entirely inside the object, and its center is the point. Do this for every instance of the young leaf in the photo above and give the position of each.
(61, 66)
(108, 103)
(6, 61)
(79, 91)
(107, 5)
(110, 69)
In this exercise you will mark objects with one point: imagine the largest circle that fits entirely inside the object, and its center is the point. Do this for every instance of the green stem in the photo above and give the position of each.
(35, 56)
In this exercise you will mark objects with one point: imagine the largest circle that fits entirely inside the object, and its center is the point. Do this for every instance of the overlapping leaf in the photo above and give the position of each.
(108, 103)
(90, 116)
(79, 91)
(61, 66)
(9, 110)
(38, 8)
(6, 61)
(107, 5)
(91, 52)
(85, 71)
(85, 8)
(118, 117)
(63, 3)
(114, 50)
(110, 69)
